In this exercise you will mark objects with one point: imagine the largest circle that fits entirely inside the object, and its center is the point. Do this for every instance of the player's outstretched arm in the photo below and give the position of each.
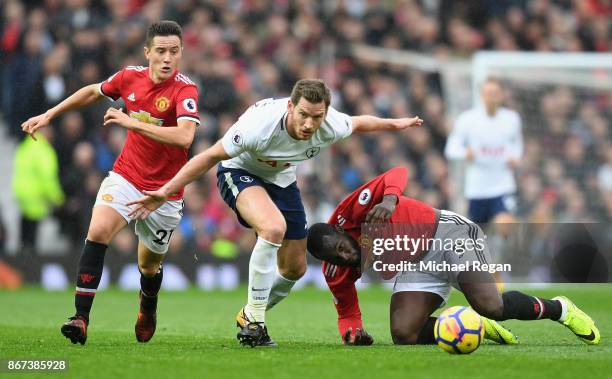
(196, 167)
(366, 123)
(81, 98)
(341, 283)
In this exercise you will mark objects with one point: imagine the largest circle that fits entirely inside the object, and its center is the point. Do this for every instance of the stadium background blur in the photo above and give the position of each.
(241, 51)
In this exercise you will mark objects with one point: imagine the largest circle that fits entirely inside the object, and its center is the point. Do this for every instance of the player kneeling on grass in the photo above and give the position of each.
(418, 293)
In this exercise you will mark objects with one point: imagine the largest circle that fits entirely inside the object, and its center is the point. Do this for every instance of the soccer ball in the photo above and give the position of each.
(459, 330)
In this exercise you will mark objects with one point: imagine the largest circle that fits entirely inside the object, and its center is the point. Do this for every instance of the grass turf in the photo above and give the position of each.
(196, 338)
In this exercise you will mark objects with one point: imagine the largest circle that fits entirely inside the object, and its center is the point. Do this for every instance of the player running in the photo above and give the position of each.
(161, 105)
(417, 294)
(257, 179)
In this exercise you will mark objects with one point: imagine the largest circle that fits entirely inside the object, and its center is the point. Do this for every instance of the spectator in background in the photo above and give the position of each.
(36, 185)
(241, 53)
(23, 91)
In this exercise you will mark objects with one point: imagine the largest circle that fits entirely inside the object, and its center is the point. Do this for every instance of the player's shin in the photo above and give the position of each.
(520, 306)
(89, 273)
(426, 335)
(280, 290)
(149, 286)
(262, 267)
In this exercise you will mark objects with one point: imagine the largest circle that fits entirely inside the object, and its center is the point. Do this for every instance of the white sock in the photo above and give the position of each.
(563, 311)
(280, 289)
(261, 276)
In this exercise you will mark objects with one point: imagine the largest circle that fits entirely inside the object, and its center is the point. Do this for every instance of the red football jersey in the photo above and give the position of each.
(352, 211)
(144, 162)
(350, 214)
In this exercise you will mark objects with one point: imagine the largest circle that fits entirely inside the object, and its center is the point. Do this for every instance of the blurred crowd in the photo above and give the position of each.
(240, 51)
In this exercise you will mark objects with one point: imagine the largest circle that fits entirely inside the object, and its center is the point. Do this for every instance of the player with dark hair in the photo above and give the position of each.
(257, 179)
(161, 117)
(417, 294)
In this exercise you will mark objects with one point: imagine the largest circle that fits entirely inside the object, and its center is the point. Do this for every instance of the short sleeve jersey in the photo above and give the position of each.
(260, 144)
(144, 162)
(493, 140)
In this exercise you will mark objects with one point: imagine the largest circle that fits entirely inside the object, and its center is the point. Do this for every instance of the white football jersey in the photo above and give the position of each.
(493, 140)
(260, 144)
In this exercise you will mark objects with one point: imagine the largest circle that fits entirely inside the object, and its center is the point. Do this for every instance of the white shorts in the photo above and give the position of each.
(454, 227)
(155, 231)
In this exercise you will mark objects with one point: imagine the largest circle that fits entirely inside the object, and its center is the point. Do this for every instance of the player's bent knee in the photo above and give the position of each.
(293, 272)
(100, 234)
(149, 270)
(274, 232)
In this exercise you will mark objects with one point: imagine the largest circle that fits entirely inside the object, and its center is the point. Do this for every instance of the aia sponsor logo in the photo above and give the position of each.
(146, 118)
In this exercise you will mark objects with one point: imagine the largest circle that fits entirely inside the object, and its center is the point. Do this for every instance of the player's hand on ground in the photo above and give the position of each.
(147, 204)
(359, 338)
(35, 123)
(408, 122)
(116, 116)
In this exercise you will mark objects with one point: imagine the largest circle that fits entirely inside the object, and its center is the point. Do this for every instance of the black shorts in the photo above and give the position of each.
(232, 181)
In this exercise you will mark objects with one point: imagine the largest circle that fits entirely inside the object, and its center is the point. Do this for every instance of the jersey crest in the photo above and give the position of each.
(313, 151)
(162, 104)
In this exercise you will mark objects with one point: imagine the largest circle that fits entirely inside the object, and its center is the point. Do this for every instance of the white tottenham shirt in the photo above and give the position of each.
(493, 141)
(260, 144)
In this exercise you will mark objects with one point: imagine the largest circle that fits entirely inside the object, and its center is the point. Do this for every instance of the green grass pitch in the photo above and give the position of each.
(196, 339)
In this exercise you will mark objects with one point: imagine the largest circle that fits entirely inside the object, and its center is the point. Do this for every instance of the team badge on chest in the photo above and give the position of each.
(162, 104)
(312, 152)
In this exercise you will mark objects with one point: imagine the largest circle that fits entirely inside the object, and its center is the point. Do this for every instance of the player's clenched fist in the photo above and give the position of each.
(359, 338)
